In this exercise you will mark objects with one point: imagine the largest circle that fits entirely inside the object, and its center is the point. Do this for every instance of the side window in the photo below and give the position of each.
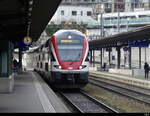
(52, 57)
(37, 65)
(87, 57)
(43, 57)
(46, 66)
(41, 65)
(39, 57)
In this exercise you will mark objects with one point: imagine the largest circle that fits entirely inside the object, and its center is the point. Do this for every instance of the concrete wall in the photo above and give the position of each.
(122, 71)
(138, 72)
(133, 72)
(7, 84)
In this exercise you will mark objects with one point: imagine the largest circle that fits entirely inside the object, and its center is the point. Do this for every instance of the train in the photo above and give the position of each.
(63, 60)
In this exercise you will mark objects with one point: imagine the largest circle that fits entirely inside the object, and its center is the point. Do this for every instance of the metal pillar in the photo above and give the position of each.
(93, 58)
(139, 57)
(20, 59)
(130, 52)
(118, 57)
(145, 54)
(109, 57)
(101, 25)
(101, 57)
(118, 19)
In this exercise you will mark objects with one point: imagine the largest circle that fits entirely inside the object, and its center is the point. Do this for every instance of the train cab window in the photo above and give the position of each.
(87, 57)
(73, 47)
(46, 66)
(47, 57)
(52, 57)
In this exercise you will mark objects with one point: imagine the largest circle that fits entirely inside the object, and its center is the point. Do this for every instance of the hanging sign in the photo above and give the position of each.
(138, 44)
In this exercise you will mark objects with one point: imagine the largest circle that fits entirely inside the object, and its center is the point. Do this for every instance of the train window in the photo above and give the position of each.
(52, 57)
(46, 66)
(87, 58)
(38, 65)
(72, 45)
(41, 65)
(43, 57)
(39, 57)
(47, 57)
(74, 52)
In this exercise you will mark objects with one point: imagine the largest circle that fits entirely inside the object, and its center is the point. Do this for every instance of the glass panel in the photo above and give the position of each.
(70, 52)
(70, 46)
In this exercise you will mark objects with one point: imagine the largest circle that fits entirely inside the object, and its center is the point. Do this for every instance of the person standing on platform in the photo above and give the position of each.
(15, 65)
(104, 66)
(146, 68)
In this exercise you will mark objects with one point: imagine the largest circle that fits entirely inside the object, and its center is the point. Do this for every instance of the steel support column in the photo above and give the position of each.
(101, 57)
(130, 52)
(93, 58)
(139, 57)
(20, 59)
(118, 57)
(109, 58)
(145, 55)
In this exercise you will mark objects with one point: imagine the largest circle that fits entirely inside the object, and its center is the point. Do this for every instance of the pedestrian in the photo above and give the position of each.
(146, 68)
(15, 65)
(104, 66)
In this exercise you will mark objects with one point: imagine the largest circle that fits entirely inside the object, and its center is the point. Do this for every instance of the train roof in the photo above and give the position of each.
(68, 31)
(65, 33)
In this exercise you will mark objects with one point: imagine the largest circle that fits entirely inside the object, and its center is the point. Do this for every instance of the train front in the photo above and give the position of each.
(71, 68)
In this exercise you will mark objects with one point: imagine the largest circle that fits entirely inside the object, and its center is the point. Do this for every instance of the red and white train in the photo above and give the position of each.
(63, 59)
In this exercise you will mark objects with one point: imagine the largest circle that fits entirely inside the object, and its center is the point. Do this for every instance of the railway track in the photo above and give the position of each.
(85, 103)
(139, 96)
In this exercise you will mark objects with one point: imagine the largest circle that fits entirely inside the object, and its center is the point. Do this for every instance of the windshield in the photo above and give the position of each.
(70, 52)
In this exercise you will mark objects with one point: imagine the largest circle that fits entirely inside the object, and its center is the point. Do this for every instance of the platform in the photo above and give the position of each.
(132, 80)
(31, 94)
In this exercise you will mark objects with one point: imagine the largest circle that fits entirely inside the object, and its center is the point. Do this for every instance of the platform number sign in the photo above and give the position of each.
(27, 40)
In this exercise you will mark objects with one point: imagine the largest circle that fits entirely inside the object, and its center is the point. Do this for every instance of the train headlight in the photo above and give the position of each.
(59, 67)
(80, 67)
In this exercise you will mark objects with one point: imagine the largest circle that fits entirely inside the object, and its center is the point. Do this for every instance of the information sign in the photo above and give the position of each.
(138, 44)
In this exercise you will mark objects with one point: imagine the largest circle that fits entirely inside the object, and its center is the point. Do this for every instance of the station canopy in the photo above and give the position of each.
(141, 34)
(21, 18)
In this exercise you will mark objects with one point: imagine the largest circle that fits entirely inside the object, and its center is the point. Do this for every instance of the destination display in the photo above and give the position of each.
(70, 41)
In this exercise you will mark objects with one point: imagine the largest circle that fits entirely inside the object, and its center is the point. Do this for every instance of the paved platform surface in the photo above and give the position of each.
(31, 94)
(138, 81)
